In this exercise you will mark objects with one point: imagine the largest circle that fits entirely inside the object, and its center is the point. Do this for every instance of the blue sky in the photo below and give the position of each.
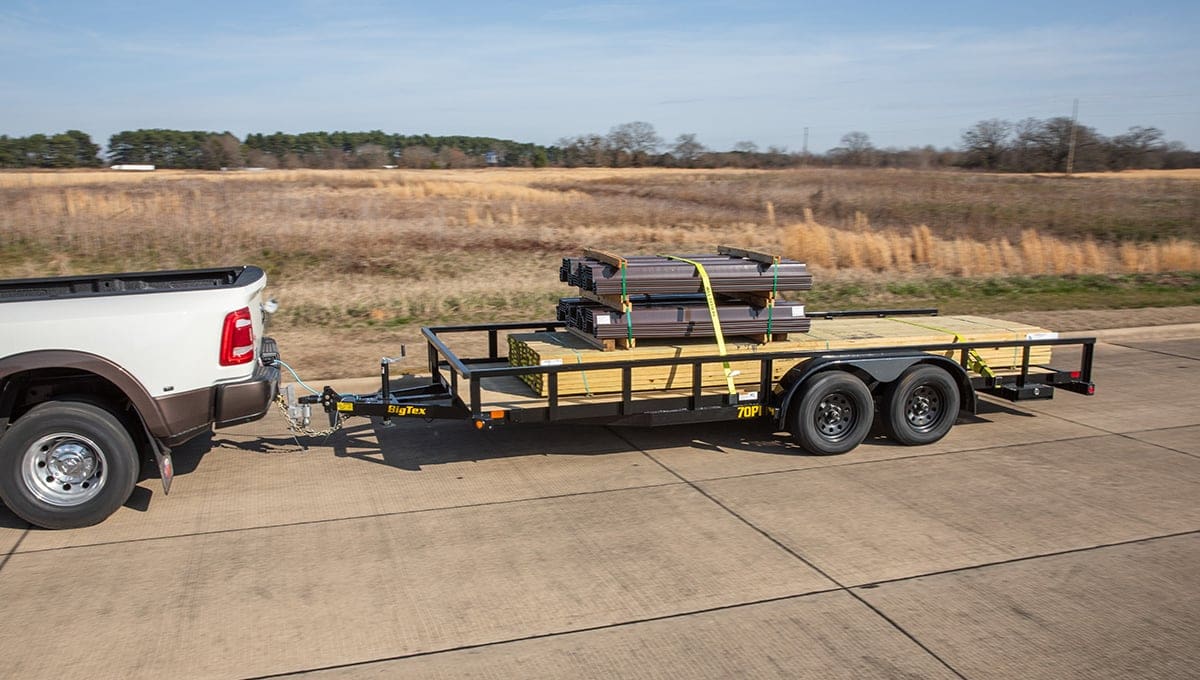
(906, 73)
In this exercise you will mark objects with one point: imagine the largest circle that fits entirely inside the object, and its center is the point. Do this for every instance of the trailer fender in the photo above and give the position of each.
(879, 369)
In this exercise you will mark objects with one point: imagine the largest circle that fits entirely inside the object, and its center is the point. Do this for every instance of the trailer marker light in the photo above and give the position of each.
(1075, 375)
(497, 415)
(1091, 389)
(478, 424)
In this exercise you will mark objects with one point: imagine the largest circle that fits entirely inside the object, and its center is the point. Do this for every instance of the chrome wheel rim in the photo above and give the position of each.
(835, 416)
(64, 469)
(923, 408)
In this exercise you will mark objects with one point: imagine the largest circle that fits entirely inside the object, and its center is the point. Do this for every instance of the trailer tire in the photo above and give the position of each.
(834, 414)
(921, 406)
(67, 464)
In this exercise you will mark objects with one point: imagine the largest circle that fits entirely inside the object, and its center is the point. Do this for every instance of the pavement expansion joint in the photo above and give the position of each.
(803, 560)
(1162, 429)
(553, 634)
(1154, 351)
(331, 520)
(1123, 435)
(1025, 558)
(1132, 438)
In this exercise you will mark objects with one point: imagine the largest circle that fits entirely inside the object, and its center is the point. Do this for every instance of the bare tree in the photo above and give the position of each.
(221, 151)
(856, 149)
(1141, 147)
(985, 143)
(261, 159)
(687, 148)
(633, 138)
(589, 150)
(745, 146)
(370, 156)
(417, 157)
(1045, 144)
(450, 157)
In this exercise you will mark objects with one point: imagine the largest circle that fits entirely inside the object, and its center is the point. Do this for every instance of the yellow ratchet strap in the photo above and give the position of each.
(712, 311)
(974, 361)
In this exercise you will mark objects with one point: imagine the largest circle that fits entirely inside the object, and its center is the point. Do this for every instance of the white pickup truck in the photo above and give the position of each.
(99, 374)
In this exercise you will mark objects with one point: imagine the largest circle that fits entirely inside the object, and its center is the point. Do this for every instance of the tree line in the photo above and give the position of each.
(377, 148)
(1029, 145)
(1060, 144)
(70, 149)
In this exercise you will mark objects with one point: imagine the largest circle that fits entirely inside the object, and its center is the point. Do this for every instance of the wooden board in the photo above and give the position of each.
(532, 349)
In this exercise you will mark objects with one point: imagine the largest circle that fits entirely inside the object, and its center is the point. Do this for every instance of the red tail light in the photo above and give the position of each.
(237, 338)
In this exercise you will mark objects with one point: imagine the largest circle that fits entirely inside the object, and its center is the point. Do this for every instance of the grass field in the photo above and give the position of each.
(392, 250)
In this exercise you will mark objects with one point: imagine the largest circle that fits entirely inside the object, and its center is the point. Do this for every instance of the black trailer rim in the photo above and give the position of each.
(835, 416)
(924, 408)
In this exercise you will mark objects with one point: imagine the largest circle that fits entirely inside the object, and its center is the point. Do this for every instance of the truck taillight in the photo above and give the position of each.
(237, 338)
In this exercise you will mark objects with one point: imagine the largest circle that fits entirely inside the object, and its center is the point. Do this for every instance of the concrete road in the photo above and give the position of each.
(1040, 540)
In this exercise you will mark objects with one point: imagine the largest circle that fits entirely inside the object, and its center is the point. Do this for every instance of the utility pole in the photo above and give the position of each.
(1071, 146)
(804, 159)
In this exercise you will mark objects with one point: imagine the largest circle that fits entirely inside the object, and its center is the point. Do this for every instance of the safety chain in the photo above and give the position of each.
(307, 431)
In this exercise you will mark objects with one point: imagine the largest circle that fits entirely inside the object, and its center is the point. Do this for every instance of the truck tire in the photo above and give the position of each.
(834, 414)
(66, 464)
(921, 406)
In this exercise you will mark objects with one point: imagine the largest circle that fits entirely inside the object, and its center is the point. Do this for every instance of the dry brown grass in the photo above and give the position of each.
(828, 250)
(396, 247)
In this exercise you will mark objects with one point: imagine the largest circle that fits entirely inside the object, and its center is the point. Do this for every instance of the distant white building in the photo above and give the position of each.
(134, 167)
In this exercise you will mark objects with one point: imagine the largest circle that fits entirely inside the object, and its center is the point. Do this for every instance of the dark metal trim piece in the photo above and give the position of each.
(246, 401)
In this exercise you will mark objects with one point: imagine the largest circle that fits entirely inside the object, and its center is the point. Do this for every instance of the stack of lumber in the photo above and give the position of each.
(536, 349)
(626, 298)
(653, 274)
(658, 318)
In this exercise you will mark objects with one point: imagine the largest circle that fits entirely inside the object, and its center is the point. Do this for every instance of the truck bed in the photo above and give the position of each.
(103, 285)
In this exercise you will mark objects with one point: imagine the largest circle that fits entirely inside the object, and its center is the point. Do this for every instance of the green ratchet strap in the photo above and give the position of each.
(774, 292)
(626, 308)
(712, 311)
(974, 361)
(582, 374)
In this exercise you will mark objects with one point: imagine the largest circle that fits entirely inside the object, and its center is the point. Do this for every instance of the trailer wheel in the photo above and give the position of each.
(66, 464)
(834, 414)
(921, 407)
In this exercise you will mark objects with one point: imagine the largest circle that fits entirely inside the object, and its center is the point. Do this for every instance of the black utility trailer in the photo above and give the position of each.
(828, 401)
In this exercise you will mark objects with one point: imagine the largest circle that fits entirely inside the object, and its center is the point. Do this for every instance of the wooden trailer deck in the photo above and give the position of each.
(839, 334)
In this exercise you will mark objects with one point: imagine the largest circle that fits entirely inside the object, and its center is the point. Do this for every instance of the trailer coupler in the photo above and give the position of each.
(427, 402)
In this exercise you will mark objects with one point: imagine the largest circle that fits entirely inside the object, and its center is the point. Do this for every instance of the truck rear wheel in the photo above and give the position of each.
(66, 464)
(834, 414)
(921, 407)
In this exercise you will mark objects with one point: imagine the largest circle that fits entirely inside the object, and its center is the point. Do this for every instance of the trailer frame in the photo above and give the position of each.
(455, 388)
